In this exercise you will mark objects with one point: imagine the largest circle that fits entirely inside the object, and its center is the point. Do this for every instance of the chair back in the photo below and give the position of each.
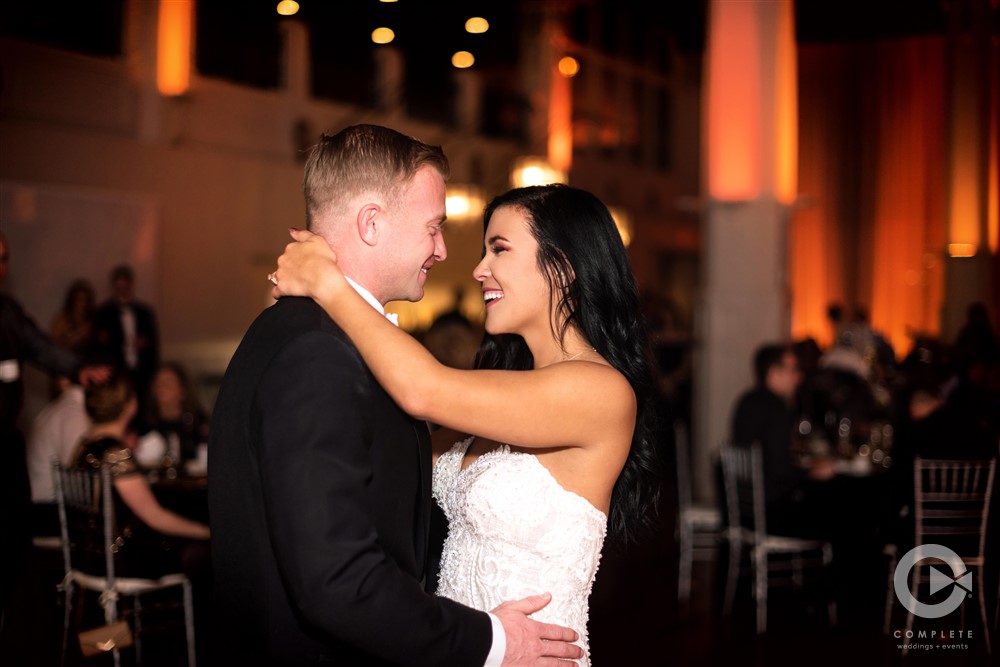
(86, 520)
(952, 503)
(743, 477)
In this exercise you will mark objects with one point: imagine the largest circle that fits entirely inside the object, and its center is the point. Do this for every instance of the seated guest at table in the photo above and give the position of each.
(173, 414)
(933, 428)
(154, 540)
(946, 430)
(766, 415)
(55, 433)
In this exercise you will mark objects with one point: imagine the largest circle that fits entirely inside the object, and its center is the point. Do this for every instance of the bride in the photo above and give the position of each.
(547, 446)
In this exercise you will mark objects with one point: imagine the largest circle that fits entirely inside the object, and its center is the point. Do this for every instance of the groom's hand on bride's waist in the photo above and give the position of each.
(530, 642)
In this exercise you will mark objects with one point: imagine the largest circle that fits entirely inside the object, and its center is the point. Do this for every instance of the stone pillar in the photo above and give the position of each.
(139, 46)
(750, 151)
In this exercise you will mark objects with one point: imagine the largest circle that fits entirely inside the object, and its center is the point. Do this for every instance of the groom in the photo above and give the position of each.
(320, 491)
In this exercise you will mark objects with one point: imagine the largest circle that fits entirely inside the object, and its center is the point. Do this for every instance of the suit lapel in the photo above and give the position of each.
(421, 528)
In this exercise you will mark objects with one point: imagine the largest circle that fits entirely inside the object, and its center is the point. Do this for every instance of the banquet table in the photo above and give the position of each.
(182, 490)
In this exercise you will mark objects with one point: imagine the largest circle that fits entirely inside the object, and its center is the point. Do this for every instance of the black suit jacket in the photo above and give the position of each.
(762, 416)
(109, 339)
(319, 500)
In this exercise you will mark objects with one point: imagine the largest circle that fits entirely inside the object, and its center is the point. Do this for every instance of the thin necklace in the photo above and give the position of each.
(580, 354)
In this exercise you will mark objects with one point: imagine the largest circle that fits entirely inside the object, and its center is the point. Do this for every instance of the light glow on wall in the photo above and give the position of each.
(733, 87)
(463, 202)
(173, 49)
(961, 250)
(560, 144)
(752, 101)
(786, 122)
(534, 170)
(993, 193)
(623, 221)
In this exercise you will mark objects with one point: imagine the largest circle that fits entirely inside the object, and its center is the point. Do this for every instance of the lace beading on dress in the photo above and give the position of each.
(513, 531)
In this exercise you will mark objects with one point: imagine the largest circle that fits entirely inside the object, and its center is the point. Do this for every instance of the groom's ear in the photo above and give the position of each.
(369, 223)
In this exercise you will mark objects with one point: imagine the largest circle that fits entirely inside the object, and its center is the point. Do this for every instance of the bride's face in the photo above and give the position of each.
(515, 291)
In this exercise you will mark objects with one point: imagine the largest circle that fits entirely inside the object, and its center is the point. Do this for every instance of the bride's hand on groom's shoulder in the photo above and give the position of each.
(306, 266)
(530, 642)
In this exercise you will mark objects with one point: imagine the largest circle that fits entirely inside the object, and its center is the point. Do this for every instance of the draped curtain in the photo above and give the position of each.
(870, 231)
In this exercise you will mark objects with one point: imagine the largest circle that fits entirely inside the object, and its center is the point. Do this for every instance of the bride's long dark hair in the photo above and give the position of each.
(580, 251)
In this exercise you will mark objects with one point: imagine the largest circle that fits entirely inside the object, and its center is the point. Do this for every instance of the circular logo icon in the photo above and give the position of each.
(960, 580)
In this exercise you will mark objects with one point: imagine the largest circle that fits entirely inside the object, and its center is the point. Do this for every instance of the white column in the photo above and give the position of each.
(749, 161)
(139, 45)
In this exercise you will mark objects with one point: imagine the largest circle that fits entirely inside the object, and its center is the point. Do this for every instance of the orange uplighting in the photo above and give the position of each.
(733, 89)
(961, 250)
(173, 52)
(560, 148)
(963, 224)
(751, 101)
(993, 192)
(569, 66)
(786, 110)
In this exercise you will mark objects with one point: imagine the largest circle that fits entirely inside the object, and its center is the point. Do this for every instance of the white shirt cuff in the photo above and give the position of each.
(495, 657)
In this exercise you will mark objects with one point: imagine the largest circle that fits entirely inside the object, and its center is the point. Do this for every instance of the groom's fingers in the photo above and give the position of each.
(528, 605)
(557, 635)
(531, 642)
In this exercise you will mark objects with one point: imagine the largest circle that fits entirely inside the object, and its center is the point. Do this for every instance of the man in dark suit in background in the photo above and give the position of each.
(126, 333)
(320, 492)
(765, 415)
(21, 341)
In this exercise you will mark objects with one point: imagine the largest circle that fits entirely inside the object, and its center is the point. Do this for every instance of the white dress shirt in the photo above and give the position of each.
(56, 432)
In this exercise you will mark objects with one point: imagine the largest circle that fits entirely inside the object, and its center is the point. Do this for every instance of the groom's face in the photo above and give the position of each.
(415, 241)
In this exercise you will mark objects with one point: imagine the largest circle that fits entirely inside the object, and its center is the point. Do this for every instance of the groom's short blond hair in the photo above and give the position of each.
(363, 158)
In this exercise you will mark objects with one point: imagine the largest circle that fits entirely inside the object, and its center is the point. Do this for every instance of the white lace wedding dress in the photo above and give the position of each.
(513, 531)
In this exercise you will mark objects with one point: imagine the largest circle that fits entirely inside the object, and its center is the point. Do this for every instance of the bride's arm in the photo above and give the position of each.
(569, 404)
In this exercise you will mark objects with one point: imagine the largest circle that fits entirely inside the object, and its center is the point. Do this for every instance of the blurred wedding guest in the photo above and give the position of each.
(845, 356)
(174, 424)
(153, 540)
(976, 339)
(126, 332)
(55, 433)
(73, 326)
(835, 316)
(22, 341)
(672, 356)
(946, 430)
(453, 340)
(933, 428)
(766, 415)
(874, 347)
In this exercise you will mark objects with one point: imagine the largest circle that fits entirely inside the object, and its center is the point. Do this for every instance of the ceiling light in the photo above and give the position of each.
(288, 7)
(462, 59)
(477, 25)
(383, 35)
(569, 66)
